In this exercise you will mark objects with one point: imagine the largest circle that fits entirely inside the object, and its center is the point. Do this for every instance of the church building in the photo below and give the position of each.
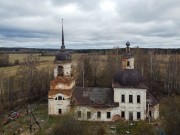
(127, 99)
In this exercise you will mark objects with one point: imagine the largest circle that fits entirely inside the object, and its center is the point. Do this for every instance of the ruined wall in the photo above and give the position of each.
(154, 111)
(67, 69)
(85, 109)
(131, 63)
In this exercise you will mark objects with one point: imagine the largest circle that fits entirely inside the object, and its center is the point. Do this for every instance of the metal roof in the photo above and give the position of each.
(93, 96)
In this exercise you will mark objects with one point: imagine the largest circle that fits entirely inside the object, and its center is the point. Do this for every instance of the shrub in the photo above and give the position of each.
(67, 125)
(16, 62)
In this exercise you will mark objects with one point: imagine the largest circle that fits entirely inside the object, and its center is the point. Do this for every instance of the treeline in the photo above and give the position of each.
(161, 71)
(102, 51)
(29, 84)
(4, 59)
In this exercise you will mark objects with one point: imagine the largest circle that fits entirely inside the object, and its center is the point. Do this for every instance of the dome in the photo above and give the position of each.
(128, 77)
(61, 56)
(128, 44)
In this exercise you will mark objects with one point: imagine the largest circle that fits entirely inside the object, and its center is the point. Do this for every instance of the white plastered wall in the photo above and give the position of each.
(55, 105)
(85, 109)
(131, 107)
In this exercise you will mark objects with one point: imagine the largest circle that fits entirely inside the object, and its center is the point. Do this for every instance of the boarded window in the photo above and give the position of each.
(88, 115)
(122, 114)
(108, 115)
(138, 99)
(130, 98)
(79, 114)
(98, 114)
(138, 115)
(122, 98)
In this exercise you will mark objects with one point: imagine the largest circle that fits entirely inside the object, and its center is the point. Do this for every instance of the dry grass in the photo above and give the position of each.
(21, 57)
(45, 61)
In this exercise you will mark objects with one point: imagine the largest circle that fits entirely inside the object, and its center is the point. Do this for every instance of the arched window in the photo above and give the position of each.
(60, 71)
(60, 98)
(128, 63)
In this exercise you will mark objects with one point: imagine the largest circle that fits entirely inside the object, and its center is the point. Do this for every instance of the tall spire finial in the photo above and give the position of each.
(62, 46)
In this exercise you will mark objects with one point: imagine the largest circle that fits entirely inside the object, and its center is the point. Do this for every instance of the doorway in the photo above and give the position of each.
(60, 111)
(130, 115)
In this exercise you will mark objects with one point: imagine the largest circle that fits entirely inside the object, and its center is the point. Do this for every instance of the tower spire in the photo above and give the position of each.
(62, 45)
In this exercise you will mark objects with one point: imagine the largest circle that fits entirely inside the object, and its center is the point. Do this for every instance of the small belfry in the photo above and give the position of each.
(128, 58)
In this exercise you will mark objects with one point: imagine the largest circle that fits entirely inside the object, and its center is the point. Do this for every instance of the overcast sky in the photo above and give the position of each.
(90, 23)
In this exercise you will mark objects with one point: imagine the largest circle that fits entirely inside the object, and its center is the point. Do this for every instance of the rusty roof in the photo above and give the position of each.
(93, 96)
(67, 92)
(62, 79)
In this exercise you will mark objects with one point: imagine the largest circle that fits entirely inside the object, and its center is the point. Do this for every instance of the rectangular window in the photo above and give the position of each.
(108, 115)
(122, 114)
(60, 111)
(88, 115)
(98, 114)
(138, 115)
(138, 99)
(79, 114)
(130, 98)
(122, 98)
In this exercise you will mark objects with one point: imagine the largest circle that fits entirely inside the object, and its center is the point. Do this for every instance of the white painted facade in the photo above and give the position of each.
(133, 107)
(58, 106)
(126, 107)
(94, 113)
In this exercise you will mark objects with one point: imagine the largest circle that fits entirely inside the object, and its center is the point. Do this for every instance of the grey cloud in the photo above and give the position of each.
(37, 23)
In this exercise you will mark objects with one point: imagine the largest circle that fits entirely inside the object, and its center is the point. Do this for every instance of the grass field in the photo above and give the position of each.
(45, 61)
(21, 57)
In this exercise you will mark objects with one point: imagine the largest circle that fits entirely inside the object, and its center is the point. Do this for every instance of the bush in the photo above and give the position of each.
(67, 125)
(143, 128)
(16, 62)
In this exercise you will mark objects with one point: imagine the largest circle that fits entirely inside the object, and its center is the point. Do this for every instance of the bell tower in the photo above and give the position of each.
(127, 58)
(63, 64)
